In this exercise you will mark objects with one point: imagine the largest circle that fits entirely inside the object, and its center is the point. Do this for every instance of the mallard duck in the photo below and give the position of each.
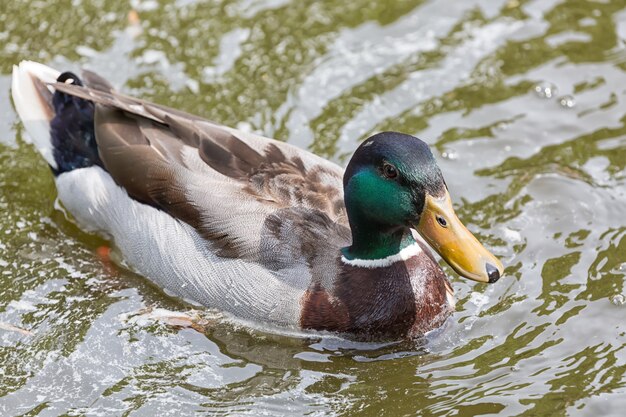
(254, 227)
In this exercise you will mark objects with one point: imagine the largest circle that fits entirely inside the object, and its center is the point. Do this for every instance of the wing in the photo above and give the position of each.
(250, 197)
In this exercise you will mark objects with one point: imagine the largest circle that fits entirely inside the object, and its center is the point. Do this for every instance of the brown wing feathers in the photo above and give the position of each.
(206, 176)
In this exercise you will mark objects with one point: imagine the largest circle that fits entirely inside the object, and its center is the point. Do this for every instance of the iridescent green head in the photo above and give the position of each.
(392, 185)
(387, 179)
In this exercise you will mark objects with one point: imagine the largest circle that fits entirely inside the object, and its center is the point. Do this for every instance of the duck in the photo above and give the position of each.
(256, 228)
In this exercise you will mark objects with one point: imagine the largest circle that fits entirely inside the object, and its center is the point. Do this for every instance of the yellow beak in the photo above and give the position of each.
(445, 233)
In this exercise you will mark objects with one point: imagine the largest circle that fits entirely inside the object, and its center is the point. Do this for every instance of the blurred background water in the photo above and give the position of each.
(523, 103)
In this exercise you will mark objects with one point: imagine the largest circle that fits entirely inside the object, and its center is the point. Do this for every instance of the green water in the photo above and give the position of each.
(541, 180)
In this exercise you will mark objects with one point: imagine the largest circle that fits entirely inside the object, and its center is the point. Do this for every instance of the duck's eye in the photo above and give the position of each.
(442, 222)
(389, 171)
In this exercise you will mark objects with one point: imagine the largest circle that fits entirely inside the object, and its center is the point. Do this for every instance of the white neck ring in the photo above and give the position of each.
(406, 253)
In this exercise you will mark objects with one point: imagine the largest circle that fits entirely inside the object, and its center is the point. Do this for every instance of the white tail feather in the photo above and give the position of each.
(31, 107)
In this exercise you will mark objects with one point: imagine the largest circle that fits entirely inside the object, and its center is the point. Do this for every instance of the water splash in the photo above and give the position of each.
(618, 300)
(567, 101)
(449, 154)
(545, 90)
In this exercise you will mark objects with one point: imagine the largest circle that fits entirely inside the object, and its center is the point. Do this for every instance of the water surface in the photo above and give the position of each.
(523, 103)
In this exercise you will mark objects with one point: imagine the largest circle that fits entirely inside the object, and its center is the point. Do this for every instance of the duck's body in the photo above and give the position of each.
(234, 221)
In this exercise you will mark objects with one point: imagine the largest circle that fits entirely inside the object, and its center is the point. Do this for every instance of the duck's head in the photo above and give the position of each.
(393, 184)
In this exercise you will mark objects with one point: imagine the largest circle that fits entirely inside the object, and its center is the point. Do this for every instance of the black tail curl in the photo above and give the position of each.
(72, 129)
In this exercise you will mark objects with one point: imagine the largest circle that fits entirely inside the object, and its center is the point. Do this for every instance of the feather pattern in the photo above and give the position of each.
(175, 257)
(201, 172)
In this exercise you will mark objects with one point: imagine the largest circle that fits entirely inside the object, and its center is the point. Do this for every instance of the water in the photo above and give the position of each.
(542, 182)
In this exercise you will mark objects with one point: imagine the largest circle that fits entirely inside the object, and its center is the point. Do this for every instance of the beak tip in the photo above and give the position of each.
(492, 272)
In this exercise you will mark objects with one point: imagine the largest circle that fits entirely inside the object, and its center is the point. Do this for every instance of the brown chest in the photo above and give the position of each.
(403, 299)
